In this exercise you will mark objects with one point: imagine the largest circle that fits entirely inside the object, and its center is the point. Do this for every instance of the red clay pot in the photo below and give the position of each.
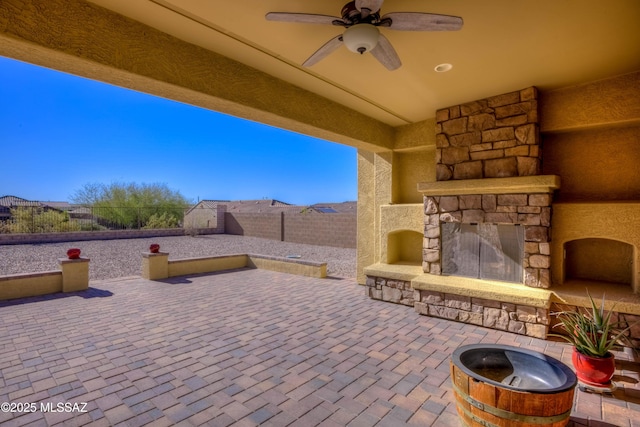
(154, 248)
(73, 253)
(595, 371)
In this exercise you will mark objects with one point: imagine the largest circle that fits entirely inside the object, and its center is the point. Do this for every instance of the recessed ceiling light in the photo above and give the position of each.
(443, 68)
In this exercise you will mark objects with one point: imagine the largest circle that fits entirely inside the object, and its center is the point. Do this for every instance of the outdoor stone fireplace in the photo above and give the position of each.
(487, 218)
(489, 254)
(489, 213)
(520, 220)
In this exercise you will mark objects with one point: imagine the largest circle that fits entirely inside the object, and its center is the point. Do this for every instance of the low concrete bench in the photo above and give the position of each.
(157, 266)
(73, 276)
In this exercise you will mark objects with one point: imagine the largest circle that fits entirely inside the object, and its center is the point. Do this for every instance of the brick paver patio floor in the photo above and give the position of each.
(248, 347)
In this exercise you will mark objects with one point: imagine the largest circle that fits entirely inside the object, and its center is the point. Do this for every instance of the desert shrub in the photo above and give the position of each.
(164, 220)
(39, 220)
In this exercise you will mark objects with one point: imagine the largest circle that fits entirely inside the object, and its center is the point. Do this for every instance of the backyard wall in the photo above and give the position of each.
(74, 236)
(335, 229)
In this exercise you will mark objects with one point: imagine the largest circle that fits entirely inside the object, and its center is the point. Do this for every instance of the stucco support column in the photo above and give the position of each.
(75, 274)
(374, 190)
(155, 266)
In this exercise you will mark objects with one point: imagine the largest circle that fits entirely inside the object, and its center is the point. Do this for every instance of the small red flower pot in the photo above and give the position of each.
(154, 248)
(596, 371)
(73, 253)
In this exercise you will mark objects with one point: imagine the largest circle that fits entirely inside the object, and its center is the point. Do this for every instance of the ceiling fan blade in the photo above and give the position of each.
(416, 21)
(386, 54)
(304, 18)
(366, 7)
(324, 51)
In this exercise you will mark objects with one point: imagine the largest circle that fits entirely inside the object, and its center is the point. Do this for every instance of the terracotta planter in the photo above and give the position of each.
(596, 371)
(154, 248)
(73, 253)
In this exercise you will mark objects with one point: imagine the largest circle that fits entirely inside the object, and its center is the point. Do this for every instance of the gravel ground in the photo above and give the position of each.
(111, 259)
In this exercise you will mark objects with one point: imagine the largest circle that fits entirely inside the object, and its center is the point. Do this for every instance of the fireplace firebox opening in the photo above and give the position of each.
(483, 251)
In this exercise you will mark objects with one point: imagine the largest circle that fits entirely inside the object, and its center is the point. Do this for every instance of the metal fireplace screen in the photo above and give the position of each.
(483, 251)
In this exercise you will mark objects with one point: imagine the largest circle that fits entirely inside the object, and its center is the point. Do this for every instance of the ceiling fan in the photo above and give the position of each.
(361, 18)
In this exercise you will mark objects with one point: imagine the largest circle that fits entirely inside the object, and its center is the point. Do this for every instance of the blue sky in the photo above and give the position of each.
(59, 132)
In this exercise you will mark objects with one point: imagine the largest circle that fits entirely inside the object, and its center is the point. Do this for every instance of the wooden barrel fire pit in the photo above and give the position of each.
(499, 385)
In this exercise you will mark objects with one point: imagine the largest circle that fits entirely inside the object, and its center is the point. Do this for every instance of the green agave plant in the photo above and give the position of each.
(592, 332)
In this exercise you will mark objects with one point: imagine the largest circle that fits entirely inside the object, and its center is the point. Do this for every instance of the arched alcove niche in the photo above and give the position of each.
(404, 247)
(599, 259)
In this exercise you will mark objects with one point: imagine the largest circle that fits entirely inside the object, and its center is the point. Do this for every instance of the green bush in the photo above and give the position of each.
(163, 220)
(132, 205)
(39, 220)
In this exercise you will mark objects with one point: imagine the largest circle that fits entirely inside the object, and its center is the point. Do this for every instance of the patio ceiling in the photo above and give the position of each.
(503, 46)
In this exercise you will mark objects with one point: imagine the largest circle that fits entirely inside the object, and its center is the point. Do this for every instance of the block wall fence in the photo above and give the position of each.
(335, 229)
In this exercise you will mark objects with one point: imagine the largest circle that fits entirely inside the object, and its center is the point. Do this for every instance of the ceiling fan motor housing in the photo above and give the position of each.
(349, 11)
(361, 38)
(352, 16)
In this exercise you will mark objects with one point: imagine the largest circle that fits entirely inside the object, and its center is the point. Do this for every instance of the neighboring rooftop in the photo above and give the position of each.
(237, 206)
(344, 207)
(9, 202)
(13, 201)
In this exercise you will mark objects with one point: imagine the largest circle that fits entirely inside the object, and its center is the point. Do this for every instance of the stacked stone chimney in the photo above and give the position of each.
(495, 137)
(490, 138)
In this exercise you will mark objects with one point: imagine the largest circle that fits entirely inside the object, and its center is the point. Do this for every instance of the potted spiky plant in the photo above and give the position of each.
(593, 334)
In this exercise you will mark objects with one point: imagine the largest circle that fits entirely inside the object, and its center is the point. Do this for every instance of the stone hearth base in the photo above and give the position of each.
(497, 305)
(390, 290)
(519, 319)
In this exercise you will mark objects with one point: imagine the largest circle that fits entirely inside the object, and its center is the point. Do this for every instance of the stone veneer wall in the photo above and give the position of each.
(623, 319)
(491, 138)
(390, 290)
(533, 211)
(516, 318)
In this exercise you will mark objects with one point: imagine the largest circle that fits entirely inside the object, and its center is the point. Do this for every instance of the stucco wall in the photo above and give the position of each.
(595, 165)
(409, 169)
(591, 139)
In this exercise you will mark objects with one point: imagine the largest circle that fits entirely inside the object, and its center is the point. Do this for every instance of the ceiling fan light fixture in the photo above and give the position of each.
(361, 38)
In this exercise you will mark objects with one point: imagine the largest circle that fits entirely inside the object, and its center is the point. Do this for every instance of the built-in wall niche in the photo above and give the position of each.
(410, 168)
(603, 260)
(404, 247)
(483, 251)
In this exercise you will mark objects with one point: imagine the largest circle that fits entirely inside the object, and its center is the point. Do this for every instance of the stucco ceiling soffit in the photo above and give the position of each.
(416, 136)
(502, 47)
(345, 94)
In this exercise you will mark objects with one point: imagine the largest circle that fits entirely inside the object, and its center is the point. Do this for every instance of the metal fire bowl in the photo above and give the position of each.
(514, 368)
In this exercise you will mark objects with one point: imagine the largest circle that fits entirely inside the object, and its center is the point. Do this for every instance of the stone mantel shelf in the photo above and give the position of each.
(512, 185)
